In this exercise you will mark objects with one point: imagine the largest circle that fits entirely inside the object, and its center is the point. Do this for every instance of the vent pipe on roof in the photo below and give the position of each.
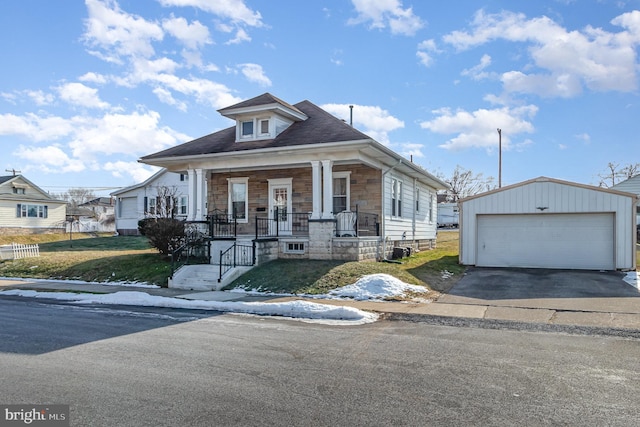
(351, 115)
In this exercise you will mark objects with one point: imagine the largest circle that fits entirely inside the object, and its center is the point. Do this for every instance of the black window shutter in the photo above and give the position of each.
(19, 210)
(145, 205)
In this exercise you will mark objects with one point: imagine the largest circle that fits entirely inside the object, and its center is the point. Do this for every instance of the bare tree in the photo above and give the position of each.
(166, 205)
(465, 183)
(615, 174)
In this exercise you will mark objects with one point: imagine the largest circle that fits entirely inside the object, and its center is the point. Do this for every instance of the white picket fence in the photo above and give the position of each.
(18, 251)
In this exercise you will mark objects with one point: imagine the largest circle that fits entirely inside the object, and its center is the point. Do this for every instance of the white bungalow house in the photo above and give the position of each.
(164, 194)
(27, 209)
(298, 182)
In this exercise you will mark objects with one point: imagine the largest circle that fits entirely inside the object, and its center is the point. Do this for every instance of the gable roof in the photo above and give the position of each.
(546, 179)
(264, 102)
(21, 181)
(320, 127)
(141, 184)
(631, 185)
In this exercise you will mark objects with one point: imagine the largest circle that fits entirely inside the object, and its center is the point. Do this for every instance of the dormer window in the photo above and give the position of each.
(246, 129)
(264, 127)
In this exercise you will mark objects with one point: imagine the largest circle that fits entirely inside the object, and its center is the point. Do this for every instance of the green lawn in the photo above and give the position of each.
(100, 259)
(317, 277)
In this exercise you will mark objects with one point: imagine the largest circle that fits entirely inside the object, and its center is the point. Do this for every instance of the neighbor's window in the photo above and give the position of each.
(182, 205)
(246, 129)
(32, 211)
(341, 191)
(238, 199)
(396, 197)
(152, 206)
(18, 190)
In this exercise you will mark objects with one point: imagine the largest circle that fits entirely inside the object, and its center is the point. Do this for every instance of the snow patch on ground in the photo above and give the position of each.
(376, 287)
(82, 282)
(302, 310)
(633, 278)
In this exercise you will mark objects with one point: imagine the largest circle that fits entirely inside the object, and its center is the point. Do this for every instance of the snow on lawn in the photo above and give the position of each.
(83, 282)
(376, 287)
(303, 310)
(633, 278)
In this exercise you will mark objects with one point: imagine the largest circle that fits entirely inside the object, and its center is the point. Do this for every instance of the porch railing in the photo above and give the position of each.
(222, 225)
(195, 249)
(235, 256)
(282, 224)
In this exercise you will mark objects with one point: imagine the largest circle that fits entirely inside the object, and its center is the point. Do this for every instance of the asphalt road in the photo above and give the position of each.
(120, 366)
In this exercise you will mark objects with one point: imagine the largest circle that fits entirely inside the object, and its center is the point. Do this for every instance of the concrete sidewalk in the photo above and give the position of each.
(477, 313)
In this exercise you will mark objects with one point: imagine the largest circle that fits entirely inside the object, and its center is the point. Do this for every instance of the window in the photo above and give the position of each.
(294, 248)
(238, 199)
(17, 190)
(182, 205)
(246, 129)
(32, 211)
(341, 184)
(264, 127)
(152, 206)
(396, 197)
(184, 177)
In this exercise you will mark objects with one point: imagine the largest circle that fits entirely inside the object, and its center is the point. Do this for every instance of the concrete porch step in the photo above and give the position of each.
(204, 277)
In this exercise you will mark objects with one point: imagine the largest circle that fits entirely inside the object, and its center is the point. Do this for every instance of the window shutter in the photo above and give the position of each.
(46, 211)
(19, 210)
(146, 201)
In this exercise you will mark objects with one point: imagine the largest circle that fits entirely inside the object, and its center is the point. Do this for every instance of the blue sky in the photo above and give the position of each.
(87, 88)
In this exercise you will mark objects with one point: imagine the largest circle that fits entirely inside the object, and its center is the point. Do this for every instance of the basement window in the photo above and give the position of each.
(294, 248)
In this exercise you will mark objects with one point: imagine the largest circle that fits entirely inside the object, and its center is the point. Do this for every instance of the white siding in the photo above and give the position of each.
(56, 215)
(412, 224)
(555, 197)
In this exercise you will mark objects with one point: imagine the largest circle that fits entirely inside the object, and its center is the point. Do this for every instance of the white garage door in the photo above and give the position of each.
(572, 241)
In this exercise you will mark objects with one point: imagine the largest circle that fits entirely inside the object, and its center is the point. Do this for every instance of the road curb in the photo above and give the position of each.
(512, 325)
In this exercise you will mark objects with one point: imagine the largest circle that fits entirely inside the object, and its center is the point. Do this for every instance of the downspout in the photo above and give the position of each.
(384, 216)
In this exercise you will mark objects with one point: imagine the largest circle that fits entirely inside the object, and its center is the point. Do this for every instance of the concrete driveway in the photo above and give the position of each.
(572, 290)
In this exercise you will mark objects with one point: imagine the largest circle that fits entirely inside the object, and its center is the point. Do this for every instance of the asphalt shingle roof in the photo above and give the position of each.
(320, 127)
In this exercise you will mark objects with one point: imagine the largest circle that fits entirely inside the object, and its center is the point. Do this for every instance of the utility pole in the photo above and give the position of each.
(499, 158)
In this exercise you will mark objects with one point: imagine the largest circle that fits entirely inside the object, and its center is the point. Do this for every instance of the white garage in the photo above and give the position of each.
(547, 223)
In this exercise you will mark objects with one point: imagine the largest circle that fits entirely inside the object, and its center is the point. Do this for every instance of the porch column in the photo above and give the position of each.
(327, 189)
(191, 205)
(316, 189)
(199, 196)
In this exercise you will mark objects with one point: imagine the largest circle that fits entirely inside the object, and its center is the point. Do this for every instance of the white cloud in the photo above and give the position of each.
(255, 73)
(166, 97)
(567, 61)
(584, 137)
(425, 49)
(387, 13)
(119, 33)
(80, 95)
(478, 129)
(92, 77)
(372, 120)
(49, 159)
(39, 97)
(83, 141)
(241, 36)
(192, 35)
(477, 72)
(137, 171)
(235, 10)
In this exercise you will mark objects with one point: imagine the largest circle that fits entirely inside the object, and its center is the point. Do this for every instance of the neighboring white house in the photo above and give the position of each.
(164, 194)
(631, 185)
(26, 208)
(548, 223)
(448, 215)
(96, 215)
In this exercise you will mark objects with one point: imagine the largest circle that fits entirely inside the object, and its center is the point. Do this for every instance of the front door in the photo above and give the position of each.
(280, 206)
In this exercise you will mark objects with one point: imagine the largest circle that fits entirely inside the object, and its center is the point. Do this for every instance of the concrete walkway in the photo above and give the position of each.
(618, 318)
